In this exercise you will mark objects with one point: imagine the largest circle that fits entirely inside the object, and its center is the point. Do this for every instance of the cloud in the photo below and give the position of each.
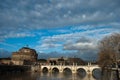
(88, 55)
(15, 34)
(6, 44)
(4, 53)
(44, 14)
(83, 37)
(82, 44)
(30, 15)
(47, 46)
(80, 40)
(78, 46)
(88, 22)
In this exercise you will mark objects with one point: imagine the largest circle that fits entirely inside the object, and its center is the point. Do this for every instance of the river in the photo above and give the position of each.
(53, 76)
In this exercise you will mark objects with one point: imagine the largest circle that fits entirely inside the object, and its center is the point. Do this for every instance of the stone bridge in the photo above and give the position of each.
(74, 68)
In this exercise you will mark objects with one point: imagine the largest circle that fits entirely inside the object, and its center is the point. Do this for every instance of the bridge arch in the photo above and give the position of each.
(67, 70)
(55, 70)
(98, 71)
(81, 72)
(45, 70)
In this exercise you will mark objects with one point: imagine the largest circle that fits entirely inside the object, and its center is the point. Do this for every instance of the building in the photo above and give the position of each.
(42, 61)
(5, 61)
(77, 61)
(65, 61)
(25, 56)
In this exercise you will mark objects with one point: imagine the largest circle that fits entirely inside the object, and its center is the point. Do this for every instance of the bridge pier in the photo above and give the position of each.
(50, 70)
(61, 71)
(89, 70)
(74, 71)
(74, 68)
(35, 68)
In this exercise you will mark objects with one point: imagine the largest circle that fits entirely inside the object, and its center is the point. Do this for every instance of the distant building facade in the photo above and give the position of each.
(5, 61)
(42, 61)
(65, 61)
(25, 56)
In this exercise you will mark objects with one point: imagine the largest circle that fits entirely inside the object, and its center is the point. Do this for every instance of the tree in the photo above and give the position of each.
(109, 50)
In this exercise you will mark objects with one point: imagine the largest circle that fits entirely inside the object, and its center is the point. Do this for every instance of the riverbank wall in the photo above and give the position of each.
(14, 68)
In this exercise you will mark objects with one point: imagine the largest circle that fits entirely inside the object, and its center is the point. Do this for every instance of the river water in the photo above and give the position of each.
(53, 76)
(41, 76)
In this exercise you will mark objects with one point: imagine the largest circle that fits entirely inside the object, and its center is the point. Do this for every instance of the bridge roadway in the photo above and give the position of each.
(74, 68)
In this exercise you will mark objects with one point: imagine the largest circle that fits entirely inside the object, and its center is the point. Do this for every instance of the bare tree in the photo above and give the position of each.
(109, 48)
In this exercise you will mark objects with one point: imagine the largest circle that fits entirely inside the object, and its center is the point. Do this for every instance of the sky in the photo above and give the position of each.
(56, 28)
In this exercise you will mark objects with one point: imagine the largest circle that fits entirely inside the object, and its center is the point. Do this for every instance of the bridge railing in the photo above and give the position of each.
(74, 64)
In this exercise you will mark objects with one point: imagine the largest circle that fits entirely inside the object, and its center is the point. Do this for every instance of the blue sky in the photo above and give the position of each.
(57, 27)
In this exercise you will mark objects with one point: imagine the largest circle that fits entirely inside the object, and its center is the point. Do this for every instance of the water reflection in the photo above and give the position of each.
(81, 73)
(55, 70)
(98, 75)
(67, 71)
(45, 70)
(44, 76)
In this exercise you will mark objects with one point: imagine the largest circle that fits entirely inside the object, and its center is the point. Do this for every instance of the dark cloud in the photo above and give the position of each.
(4, 53)
(83, 43)
(87, 56)
(45, 13)
(56, 55)
(84, 40)
(86, 48)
